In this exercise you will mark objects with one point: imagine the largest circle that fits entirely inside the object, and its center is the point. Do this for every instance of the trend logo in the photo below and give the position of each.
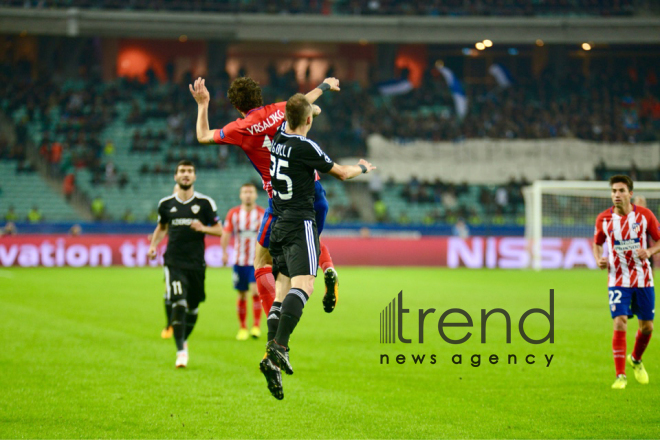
(391, 323)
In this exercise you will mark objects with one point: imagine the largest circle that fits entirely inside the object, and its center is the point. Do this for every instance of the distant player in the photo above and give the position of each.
(253, 134)
(624, 227)
(242, 222)
(294, 241)
(185, 217)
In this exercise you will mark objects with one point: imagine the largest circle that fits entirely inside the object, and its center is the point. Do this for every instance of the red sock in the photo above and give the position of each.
(256, 310)
(325, 261)
(242, 311)
(641, 341)
(619, 350)
(265, 287)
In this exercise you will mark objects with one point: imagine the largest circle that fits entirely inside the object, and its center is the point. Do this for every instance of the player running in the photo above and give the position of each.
(253, 135)
(625, 227)
(243, 223)
(294, 243)
(185, 217)
(168, 330)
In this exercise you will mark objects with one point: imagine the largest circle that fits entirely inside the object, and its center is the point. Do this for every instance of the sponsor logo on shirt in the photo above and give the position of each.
(173, 209)
(194, 209)
(182, 221)
(636, 227)
(627, 245)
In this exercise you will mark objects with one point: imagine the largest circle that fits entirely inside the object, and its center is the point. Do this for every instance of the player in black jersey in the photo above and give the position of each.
(294, 240)
(185, 216)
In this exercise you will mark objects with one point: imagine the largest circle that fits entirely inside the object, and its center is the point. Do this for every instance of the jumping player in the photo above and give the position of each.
(185, 217)
(243, 223)
(294, 243)
(253, 134)
(630, 280)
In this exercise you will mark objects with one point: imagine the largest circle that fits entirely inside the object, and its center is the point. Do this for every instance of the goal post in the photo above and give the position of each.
(568, 209)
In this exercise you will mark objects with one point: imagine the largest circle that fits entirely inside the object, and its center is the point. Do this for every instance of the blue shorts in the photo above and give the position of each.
(631, 301)
(320, 206)
(243, 276)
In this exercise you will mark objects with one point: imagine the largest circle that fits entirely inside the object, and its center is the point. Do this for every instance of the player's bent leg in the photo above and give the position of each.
(325, 260)
(641, 342)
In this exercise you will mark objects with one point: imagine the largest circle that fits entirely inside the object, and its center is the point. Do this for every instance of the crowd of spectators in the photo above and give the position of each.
(448, 202)
(361, 7)
(623, 107)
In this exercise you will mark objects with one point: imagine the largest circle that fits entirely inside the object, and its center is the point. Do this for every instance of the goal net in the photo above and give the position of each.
(568, 209)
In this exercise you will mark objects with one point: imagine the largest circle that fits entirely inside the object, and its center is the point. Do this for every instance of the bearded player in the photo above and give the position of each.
(630, 278)
(253, 135)
(185, 217)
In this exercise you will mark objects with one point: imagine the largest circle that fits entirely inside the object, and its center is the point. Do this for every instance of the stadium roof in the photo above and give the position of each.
(300, 27)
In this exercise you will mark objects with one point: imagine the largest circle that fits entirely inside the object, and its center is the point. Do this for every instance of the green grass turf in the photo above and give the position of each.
(81, 357)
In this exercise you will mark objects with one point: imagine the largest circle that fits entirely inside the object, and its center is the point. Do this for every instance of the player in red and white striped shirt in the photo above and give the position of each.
(243, 222)
(625, 228)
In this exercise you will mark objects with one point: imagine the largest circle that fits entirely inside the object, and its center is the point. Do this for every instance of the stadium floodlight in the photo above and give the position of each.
(568, 209)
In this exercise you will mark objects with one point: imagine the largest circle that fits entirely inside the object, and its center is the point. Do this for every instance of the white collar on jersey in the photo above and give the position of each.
(176, 196)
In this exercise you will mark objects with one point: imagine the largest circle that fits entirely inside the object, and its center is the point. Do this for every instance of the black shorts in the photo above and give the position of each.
(185, 284)
(294, 246)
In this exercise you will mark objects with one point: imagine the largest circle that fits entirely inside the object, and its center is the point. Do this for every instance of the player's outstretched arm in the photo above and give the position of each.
(156, 238)
(331, 84)
(202, 97)
(216, 229)
(345, 172)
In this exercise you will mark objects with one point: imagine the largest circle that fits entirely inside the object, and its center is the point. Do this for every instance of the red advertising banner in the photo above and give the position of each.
(474, 252)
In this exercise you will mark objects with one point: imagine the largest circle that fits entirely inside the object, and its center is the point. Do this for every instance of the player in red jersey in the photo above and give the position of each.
(253, 134)
(624, 228)
(242, 222)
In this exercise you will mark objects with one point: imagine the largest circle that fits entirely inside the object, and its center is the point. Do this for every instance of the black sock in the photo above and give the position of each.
(273, 320)
(168, 312)
(179, 324)
(191, 320)
(292, 308)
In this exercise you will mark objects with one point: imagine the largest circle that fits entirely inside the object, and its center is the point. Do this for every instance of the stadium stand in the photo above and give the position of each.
(135, 132)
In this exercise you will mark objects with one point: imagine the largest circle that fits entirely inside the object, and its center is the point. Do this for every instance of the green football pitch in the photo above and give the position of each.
(81, 357)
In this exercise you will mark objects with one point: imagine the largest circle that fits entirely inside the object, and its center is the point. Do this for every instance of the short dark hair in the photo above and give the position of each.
(245, 94)
(185, 163)
(621, 178)
(249, 184)
(297, 110)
